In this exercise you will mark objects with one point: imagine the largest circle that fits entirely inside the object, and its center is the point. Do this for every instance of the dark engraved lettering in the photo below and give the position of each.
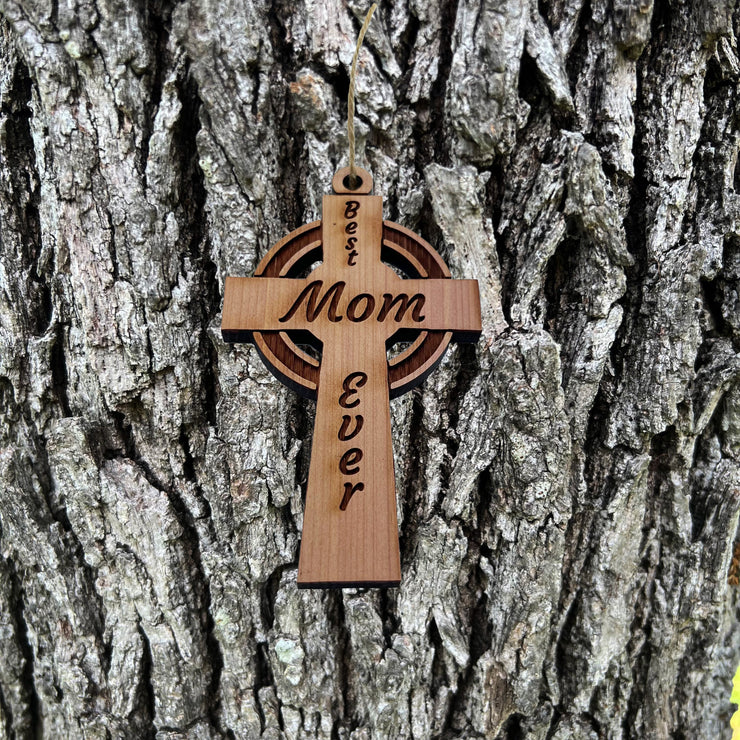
(351, 227)
(355, 302)
(352, 206)
(352, 255)
(344, 433)
(359, 379)
(348, 464)
(314, 306)
(349, 491)
(405, 303)
(351, 241)
(360, 307)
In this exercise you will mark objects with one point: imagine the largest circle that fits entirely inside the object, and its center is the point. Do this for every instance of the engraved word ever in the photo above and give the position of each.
(349, 463)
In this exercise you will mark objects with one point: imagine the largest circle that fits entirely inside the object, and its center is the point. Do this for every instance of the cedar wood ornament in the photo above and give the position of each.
(352, 307)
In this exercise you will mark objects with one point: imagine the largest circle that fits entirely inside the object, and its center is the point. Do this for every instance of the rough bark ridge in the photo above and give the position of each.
(569, 489)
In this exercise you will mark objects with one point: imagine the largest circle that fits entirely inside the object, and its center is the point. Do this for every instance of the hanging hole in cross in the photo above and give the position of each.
(352, 183)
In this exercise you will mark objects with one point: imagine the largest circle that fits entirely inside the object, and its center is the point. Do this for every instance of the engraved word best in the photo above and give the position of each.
(353, 306)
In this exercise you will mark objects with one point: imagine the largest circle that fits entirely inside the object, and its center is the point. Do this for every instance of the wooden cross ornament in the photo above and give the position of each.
(352, 307)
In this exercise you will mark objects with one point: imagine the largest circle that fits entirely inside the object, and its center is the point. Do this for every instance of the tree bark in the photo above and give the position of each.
(568, 490)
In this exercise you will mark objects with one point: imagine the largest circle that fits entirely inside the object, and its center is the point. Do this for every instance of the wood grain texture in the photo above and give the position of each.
(385, 302)
(352, 307)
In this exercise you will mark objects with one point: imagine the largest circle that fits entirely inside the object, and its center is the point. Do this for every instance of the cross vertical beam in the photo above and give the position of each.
(350, 530)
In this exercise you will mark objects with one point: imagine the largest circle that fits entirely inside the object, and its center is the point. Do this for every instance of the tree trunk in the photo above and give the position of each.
(568, 490)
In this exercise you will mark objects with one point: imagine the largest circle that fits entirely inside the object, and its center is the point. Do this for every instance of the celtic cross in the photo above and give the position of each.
(352, 307)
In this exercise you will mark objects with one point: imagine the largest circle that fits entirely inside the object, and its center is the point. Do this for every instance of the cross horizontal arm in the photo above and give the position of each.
(450, 305)
(280, 304)
(256, 304)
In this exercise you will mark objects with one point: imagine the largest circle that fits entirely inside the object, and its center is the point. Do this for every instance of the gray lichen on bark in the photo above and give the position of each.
(568, 489)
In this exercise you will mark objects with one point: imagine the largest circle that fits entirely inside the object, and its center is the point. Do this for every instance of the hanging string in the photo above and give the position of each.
(351, 98)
